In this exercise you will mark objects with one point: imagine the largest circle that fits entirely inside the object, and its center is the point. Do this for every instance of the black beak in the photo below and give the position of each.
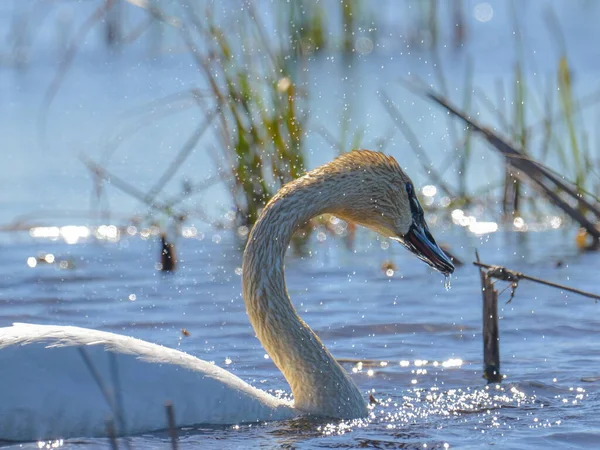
(420, 242)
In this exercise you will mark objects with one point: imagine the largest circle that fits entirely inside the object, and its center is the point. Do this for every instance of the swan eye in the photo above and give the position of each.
(415, 207)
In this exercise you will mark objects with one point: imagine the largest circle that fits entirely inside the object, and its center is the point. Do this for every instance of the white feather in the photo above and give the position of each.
(50, 392)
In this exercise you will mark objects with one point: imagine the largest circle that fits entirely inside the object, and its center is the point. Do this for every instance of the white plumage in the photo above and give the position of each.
(49, 390)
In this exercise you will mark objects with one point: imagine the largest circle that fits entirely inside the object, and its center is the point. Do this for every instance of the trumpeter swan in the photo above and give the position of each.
(60, 381)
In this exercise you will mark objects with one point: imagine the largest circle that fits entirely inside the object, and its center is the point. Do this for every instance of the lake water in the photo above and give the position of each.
(413, 344)
(416, 346)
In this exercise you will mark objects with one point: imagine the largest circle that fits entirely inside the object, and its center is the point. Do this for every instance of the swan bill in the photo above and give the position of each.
(421, 243)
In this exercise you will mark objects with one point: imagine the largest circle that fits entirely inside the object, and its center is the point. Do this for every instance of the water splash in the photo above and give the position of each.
(447, 282)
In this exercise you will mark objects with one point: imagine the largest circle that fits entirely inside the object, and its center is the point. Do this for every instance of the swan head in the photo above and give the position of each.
(385, 201)
(419, 240)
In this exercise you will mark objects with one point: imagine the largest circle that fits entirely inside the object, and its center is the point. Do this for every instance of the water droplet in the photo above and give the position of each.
(447, 283)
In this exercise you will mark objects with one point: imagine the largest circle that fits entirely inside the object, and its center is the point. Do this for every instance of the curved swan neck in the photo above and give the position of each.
(319, 384)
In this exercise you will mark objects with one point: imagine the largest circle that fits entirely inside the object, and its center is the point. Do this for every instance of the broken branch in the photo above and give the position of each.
(504, 274)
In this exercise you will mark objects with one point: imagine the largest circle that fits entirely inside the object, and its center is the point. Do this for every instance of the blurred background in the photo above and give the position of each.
(205, 108)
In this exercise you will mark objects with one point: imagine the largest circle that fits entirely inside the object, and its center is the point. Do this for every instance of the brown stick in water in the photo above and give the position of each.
(502, 273)
(171, 422)
(112, 435)
(490, 328)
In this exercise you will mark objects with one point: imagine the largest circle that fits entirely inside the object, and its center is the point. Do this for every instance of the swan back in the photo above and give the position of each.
(53, 392)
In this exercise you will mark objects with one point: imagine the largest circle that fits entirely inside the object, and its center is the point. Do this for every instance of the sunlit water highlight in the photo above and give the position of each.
(411, 344)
